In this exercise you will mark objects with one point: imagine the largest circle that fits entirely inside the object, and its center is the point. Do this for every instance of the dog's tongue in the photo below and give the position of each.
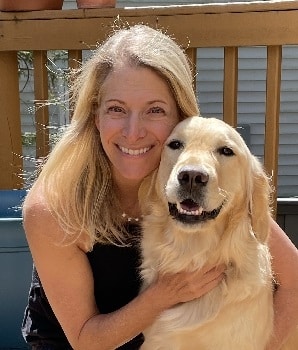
(190, 205)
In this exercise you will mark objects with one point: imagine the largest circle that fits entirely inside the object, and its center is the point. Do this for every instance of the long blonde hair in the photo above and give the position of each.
(76, 178)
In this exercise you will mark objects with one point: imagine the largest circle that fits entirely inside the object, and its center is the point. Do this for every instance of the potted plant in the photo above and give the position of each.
(30, 5)
(83, 4)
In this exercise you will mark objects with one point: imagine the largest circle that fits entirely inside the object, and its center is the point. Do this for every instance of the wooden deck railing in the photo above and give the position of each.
(229, 26)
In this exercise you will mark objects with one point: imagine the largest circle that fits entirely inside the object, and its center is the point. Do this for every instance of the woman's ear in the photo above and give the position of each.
(260, 201)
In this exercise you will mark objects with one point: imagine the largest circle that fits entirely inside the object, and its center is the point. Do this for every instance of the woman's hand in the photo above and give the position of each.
(186, 286)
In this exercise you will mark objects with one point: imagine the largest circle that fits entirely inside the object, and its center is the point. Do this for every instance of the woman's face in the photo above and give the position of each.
(137, 112)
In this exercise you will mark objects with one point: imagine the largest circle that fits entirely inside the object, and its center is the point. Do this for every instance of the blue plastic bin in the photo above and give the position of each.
(16, 269)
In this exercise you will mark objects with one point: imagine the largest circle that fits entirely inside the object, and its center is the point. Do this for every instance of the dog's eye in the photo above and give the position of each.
(175, 144)
(226, 151)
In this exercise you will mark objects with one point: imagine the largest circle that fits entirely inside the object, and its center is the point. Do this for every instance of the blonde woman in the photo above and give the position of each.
(82, 216)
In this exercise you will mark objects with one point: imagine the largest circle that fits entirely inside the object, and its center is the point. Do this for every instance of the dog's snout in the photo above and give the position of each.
(193, 178)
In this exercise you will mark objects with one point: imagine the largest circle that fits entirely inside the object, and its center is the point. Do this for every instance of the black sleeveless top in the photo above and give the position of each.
(116, 283)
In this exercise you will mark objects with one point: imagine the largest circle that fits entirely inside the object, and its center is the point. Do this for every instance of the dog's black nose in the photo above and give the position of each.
(193, 178)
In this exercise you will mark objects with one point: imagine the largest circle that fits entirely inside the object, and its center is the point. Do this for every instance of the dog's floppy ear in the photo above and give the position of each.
(260, 201)
(147, 192)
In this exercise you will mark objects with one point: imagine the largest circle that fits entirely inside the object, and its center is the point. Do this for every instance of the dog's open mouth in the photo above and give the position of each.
(190, 212)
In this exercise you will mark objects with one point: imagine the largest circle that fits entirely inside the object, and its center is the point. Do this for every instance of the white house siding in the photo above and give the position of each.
(288, 159)
(251, 98)
(251, 103)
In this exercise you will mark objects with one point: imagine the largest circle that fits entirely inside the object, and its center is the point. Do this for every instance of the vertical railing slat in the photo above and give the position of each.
(273, 83)
(192, 56)
(230, 88)
(41, 107)
(74, 62)
(74, 58)
(10, 123)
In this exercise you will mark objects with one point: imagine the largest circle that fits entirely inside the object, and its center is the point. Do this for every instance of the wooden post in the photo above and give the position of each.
(230, 98)
(192, 55)
(74, 62)
(273, 82)
(11, 162)
(41, 109)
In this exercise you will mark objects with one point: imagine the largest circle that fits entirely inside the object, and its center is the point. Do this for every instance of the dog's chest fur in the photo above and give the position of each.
(194, 325)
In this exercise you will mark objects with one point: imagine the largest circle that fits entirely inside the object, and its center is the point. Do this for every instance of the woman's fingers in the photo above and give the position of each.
(211, 280)
(186, 286)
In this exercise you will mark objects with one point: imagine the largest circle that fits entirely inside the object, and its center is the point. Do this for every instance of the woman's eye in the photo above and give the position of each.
(175, 144)
(157, 110)
(115, 110)
(226, 151)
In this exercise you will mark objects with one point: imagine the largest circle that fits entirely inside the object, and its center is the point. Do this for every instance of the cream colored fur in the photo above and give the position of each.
(238, 314)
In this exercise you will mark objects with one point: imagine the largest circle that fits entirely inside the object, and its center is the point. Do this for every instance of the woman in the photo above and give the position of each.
(82, 216)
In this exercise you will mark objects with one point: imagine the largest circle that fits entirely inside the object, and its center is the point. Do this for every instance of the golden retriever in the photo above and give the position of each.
(208, 204)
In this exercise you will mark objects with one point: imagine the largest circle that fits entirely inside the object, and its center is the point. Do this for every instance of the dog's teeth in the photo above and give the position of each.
(198, 212)
(189, 212)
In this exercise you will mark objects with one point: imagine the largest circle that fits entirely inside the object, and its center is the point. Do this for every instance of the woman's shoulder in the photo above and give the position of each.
(36, 211)
(39, 220)
(35, 204)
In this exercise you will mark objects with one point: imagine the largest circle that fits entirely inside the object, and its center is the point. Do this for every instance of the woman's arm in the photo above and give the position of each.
(68, 282)
(285, 267)
(111, 330)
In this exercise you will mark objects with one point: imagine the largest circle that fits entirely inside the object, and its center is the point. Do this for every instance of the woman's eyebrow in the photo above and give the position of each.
(147, 103)
(156, 101)
(115, 100)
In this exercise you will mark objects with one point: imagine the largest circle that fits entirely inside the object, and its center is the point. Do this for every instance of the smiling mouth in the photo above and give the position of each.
(189, 212)
(134, 152)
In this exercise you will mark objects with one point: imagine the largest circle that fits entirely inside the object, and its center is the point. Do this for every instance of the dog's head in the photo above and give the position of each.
(207, 172)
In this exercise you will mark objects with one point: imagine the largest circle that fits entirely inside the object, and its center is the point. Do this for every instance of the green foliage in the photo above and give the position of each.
(28, 138)
(25, 65)
(57, 77)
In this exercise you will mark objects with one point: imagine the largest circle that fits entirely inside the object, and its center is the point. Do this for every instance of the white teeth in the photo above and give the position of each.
(134, 152)
(189, 212)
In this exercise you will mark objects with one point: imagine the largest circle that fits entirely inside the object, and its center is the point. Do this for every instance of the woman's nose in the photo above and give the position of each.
(134, 128)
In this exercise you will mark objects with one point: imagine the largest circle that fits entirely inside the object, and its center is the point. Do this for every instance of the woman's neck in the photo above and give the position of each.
(128, 197)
